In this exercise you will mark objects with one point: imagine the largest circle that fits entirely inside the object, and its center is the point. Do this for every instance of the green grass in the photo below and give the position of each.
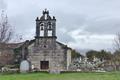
(63, 76)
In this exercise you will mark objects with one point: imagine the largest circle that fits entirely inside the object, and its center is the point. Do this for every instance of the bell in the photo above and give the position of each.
(49, 23)
(50, 28)
(41, 28)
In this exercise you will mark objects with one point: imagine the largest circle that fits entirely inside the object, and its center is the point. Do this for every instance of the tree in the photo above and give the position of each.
(6, 31)
(91, 54)
(117, 42)
(116, 58)
(102, 55)
(75, 54)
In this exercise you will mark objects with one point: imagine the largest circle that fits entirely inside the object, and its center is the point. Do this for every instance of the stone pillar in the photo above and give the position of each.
(68, 58)
(37, 29)
(54, 29)
(45, 29)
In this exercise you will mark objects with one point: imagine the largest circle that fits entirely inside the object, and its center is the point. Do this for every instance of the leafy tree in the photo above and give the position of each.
(105, 55)
(91, 54)
(75, 54)
(102, 55)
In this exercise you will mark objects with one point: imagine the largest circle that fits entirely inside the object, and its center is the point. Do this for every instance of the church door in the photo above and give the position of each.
(44, 64)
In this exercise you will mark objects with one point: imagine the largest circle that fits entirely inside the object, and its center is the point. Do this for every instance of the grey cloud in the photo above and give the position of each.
(71, 15)
(70, 21)
(63, 37)
(3, 5)
(107, 26)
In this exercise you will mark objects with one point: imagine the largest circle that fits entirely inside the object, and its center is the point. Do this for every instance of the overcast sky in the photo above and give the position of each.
(82, 24)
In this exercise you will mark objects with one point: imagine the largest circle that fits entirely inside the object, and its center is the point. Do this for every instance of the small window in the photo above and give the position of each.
(44, 46)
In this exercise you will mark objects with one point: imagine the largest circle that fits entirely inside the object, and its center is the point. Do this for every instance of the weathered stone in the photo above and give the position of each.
(24, 66)
(44, 52)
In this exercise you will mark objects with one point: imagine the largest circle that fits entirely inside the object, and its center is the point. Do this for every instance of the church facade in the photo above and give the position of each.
(45, 53)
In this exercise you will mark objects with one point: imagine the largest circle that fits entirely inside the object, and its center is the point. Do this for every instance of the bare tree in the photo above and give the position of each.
(117, 42)
(116, 55)
(5, 29)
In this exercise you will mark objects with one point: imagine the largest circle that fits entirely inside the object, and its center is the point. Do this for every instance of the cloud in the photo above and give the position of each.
(104, 25)
(80, 24)
(3, 4)
(93, 41)
(63, 36)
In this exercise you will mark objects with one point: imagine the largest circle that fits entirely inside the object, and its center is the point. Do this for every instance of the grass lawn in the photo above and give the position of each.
(63, 76)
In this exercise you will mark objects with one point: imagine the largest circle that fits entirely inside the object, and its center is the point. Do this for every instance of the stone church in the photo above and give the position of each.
(45, 53)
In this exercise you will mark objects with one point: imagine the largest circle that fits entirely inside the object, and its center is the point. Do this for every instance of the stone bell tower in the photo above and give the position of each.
(45, 30)
(45, 52)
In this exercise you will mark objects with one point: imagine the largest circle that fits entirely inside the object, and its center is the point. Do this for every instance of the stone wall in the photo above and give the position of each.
(57, 58)
(6, 57)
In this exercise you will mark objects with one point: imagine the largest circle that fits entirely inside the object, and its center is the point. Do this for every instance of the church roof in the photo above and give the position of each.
(32, 41)
(63, 45)
(10, 45)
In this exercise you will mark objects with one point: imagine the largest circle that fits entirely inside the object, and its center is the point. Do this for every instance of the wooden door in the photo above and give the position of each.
(44, 64)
